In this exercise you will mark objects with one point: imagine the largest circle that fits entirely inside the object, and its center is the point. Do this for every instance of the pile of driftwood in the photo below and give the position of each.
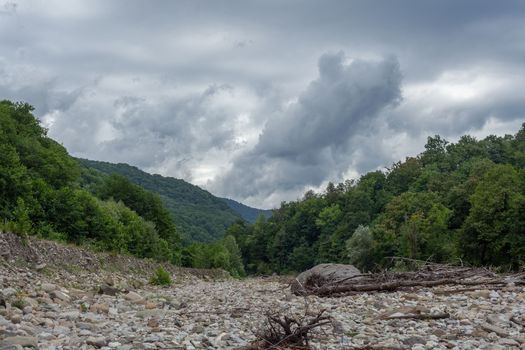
(427, 275)
(287, 331)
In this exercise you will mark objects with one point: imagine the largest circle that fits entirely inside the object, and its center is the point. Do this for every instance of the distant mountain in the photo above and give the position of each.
(199, 215)
(247, 213)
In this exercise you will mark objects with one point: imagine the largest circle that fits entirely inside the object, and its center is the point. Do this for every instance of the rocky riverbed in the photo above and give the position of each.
(47, 305)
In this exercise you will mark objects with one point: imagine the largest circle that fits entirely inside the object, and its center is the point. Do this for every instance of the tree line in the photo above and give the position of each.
(460, 202)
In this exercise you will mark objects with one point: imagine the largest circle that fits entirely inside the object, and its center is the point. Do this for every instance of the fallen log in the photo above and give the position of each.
(379, 347)
(418, 316)
(395, 285)
(428, 276)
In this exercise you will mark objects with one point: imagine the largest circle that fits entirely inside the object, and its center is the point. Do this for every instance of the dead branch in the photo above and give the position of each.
(287, 332)
(517, 321)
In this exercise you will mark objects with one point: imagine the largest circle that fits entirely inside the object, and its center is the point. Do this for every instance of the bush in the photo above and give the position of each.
(161, 277)
(360, 248)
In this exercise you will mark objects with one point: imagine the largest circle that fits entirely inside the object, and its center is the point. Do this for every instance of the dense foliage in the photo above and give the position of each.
(455, 201)
(223, 254)
(198, 215)
(40, 194)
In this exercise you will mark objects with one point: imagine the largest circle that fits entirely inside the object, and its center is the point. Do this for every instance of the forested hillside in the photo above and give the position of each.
(199, 215)
(455, 202)
(46, 193)
(40, 194)
(247, 213)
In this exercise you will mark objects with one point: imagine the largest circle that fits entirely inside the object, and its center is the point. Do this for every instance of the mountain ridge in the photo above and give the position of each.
(248, 213)
(198, 214)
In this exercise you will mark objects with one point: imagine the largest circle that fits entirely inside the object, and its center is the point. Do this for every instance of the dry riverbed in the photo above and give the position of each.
(46, 306)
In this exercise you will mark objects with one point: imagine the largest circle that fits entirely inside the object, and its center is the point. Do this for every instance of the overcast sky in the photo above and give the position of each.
(261, 100)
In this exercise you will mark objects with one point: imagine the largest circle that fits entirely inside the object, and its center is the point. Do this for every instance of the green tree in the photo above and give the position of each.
(235, 265)
(22, 223)
(360, 249)
(146, 204)
(492, 232)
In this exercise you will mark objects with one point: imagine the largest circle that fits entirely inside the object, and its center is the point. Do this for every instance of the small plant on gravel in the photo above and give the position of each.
(83, 308)
(161, 277)
(46, 271)
(19, 303)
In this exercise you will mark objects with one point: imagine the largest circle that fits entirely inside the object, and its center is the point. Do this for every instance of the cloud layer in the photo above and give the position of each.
(312, 139)
(260, 101)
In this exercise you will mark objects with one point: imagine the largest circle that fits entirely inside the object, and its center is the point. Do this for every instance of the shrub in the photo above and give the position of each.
(161, 277)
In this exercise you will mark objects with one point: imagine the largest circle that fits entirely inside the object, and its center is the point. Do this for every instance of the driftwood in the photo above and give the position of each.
(426, 276)
(378, 347)
(418, 316)
(287, 332)
(517, 321)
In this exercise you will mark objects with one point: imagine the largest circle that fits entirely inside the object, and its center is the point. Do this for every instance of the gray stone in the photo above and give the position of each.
(40, 267)
(85, 325)
(59, 295)
(46, 336)
(96, 341)
(99, 308)
(48, 287)
(16, 318)
(108, 290)
(197, 329)
(29, 342)
(133, 297)
(150, 313)
(8, 292)
(125, 347)
(508, 342)
(6, 346)
(414, 340)
(326, 272)
(30, 301)
(70, 315)
(495, 329)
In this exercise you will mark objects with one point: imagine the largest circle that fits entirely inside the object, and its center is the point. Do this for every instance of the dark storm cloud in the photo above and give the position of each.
(332, 107)
(311, 140)
(212, 90)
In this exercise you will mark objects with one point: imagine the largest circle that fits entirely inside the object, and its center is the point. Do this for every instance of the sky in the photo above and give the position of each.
(260, 101)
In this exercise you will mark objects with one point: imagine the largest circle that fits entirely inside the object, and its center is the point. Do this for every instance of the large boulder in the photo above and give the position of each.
(323, 274)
